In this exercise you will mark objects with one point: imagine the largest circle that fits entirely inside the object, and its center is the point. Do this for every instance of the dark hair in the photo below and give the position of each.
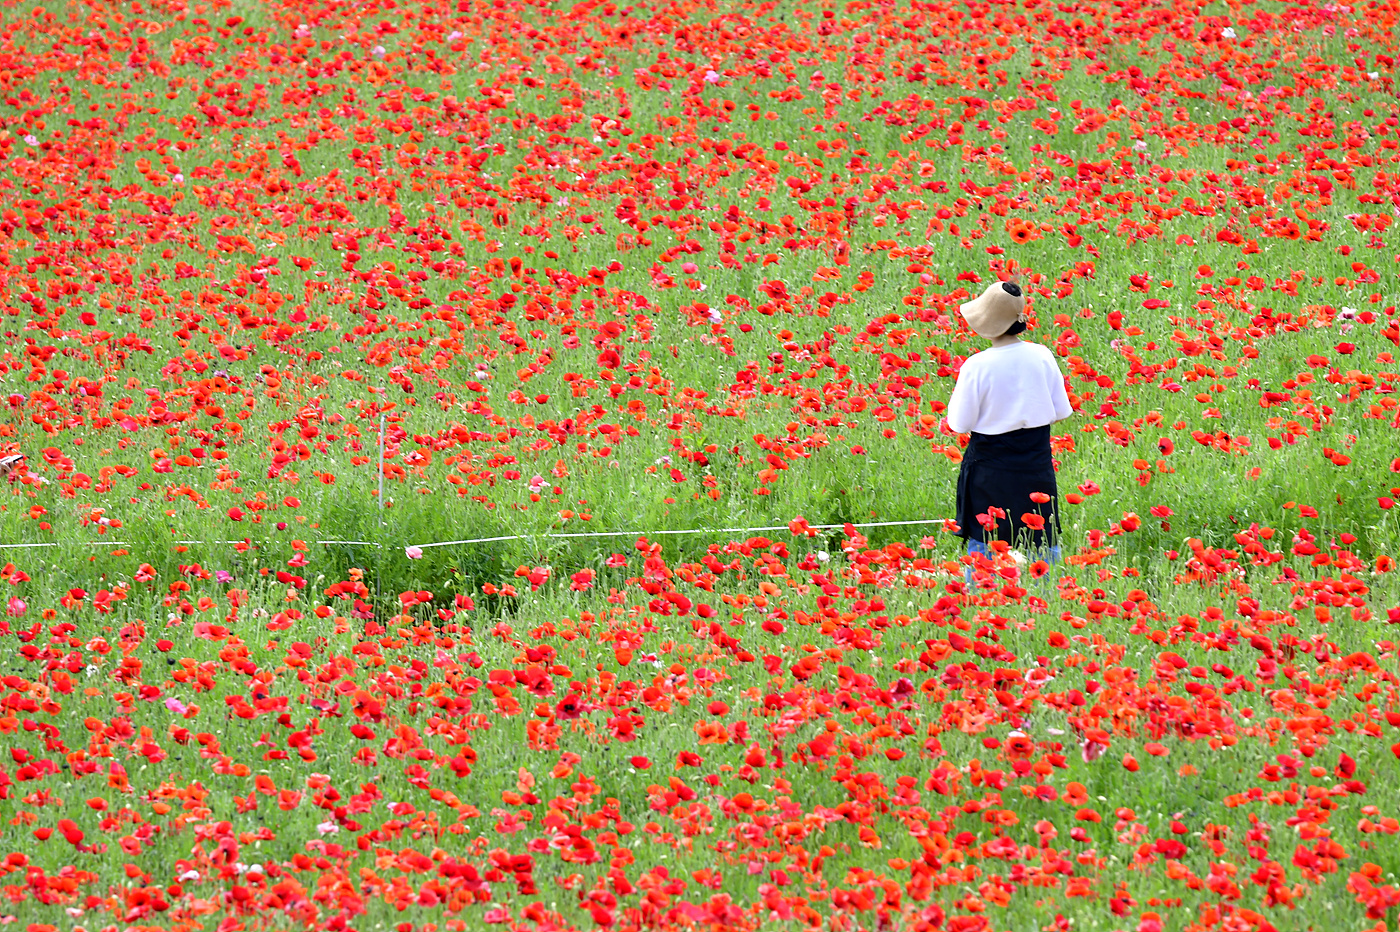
(1018, 326)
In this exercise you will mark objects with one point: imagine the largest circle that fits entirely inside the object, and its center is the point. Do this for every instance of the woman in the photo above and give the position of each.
(1007, 397)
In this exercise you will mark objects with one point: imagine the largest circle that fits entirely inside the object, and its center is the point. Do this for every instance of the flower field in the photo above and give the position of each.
(484, 465)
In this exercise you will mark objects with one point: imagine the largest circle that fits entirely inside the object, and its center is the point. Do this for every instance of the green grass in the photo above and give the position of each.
(178, 518)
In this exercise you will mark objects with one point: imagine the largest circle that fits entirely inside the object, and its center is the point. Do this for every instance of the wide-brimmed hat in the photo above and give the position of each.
(992, 313)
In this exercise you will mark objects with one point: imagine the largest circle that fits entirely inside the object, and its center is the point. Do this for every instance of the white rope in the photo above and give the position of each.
(369, 543)
(488, 540)
(717, 530)
(126, 543)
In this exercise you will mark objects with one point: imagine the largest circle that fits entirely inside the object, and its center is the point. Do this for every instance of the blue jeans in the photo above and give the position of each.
(1050, 555)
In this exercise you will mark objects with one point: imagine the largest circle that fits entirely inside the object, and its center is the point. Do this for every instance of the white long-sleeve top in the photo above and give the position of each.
(1006, 388)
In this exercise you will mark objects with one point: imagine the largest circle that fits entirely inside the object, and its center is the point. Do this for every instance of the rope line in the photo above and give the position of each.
(126, 543)
(718, 530)
(505, 537)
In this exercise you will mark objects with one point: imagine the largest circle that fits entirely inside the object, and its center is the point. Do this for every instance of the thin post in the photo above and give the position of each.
(381, 470)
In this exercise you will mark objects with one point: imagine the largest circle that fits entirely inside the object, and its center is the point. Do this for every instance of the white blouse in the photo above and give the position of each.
(1006, 388)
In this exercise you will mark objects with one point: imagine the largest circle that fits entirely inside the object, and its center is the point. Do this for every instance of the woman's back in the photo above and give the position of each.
(1006, 388)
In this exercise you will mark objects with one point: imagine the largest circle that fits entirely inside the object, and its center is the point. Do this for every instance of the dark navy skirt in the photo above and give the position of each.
(1001, 471)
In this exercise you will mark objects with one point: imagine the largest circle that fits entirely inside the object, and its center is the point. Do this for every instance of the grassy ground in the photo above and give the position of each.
(622, 301)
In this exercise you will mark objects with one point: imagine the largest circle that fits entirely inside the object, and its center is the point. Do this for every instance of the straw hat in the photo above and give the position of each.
(991, 313)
